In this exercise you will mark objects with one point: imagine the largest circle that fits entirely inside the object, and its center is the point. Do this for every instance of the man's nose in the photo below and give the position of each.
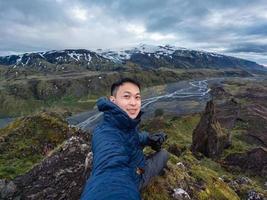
(133, 101)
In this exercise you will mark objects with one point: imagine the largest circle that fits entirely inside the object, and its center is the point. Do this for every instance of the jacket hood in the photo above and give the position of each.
(115, 115)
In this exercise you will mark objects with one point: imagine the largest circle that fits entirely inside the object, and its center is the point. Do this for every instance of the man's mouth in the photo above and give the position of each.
(132, 111)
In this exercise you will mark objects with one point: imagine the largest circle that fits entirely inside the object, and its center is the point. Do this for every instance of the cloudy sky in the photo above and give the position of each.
(236, 27)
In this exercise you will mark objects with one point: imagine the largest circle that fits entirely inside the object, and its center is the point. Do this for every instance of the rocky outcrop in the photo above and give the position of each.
(60, 176)
(227, 107)
(218, 91)
(254, 160)
(208, 137)
(228, 113)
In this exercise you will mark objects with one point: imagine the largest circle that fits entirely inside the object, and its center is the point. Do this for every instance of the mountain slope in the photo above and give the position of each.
(143, 56)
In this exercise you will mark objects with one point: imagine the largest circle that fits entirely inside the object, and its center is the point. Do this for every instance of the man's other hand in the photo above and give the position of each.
(156, 140)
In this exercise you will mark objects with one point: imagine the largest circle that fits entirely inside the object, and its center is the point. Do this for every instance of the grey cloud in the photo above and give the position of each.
(248, 47)
(42, 24)
(258, 29)
(30, 12)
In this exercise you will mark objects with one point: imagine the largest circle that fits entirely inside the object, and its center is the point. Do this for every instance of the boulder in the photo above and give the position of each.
(253, 195)
(208, 137)
(180, 194)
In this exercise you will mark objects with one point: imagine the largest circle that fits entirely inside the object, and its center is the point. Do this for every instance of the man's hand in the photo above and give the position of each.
(156, 140)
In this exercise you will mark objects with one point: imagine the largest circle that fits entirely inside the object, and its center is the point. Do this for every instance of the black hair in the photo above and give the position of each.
(115, 86)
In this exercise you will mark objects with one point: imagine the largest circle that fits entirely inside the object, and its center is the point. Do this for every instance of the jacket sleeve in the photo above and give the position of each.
(109, 151)
(143, 138)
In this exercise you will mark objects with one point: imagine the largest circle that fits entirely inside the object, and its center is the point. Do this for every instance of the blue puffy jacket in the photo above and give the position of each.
(117, 153)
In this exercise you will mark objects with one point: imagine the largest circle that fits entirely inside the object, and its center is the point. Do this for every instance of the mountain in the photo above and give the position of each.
(143, 56)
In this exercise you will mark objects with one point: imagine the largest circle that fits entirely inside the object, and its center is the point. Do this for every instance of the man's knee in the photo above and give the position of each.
(164, 154)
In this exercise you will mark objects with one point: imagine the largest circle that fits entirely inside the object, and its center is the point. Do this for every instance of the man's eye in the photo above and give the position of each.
(138, 97)
(126, 96)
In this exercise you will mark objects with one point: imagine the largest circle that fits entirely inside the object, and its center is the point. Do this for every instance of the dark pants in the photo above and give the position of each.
(154, 165)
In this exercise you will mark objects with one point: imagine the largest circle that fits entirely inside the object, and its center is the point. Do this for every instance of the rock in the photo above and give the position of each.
(180, 194)
(7, 189)
(244, 187)
(219, 92)
(254, 160)
(253, 195)
(228, 113)
(88, 163)
(181, 165)
(208, 137)
(243, 180)
(59, 176)
(225, 178)
(2, 184)
(234, 185)
(175, 149)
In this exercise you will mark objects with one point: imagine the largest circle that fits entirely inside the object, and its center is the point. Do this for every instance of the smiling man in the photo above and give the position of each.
(120, 169)
(127, 96)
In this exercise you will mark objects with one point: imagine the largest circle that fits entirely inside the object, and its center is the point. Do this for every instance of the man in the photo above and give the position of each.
(120, 169)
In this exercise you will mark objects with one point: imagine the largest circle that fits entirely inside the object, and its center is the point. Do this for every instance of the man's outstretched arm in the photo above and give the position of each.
(109, 152)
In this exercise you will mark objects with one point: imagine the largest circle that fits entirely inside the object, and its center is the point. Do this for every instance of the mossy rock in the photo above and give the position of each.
(27, 140)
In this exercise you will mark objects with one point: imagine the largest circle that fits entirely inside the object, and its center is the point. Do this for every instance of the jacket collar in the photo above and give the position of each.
(114, 115)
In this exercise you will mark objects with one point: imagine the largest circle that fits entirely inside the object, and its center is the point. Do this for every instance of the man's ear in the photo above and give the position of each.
(112, 99)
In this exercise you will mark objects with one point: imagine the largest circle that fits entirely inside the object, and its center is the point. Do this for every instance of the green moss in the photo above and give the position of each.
(162, 187)
(199, 181)
(239, 145)
(213, 188)
(27, 140)
(178, 129)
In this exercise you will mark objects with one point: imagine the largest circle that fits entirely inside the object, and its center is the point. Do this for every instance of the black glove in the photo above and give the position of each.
(156, 140)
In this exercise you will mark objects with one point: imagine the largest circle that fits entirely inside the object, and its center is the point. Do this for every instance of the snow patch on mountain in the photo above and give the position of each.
(115, 56)
(74, 55)
(119, 55)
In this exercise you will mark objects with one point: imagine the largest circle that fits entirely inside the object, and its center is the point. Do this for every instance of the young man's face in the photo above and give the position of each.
(128, 98)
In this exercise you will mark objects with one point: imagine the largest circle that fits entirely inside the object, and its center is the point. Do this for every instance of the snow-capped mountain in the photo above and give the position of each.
(143, 56)
(68, 56)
